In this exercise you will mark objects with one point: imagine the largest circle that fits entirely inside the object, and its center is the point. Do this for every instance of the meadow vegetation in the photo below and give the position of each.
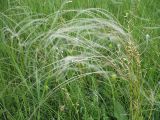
(79, 60)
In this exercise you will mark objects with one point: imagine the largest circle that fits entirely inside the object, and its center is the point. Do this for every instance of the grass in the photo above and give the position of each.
(79, 60)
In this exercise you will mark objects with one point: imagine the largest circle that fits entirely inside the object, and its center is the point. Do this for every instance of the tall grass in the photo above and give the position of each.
(58, 63)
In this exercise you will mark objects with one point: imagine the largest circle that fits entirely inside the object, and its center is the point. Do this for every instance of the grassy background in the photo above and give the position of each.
(93, 97)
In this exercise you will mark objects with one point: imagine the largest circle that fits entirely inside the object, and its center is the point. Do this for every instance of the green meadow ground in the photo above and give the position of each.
(79, 60)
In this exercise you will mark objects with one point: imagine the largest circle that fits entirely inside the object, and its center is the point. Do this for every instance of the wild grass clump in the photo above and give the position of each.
(84, 67)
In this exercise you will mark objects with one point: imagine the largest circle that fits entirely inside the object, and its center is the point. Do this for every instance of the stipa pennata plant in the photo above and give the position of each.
(50, 53)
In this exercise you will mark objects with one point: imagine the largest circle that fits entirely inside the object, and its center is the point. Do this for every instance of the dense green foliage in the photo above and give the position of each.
(79, 60)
